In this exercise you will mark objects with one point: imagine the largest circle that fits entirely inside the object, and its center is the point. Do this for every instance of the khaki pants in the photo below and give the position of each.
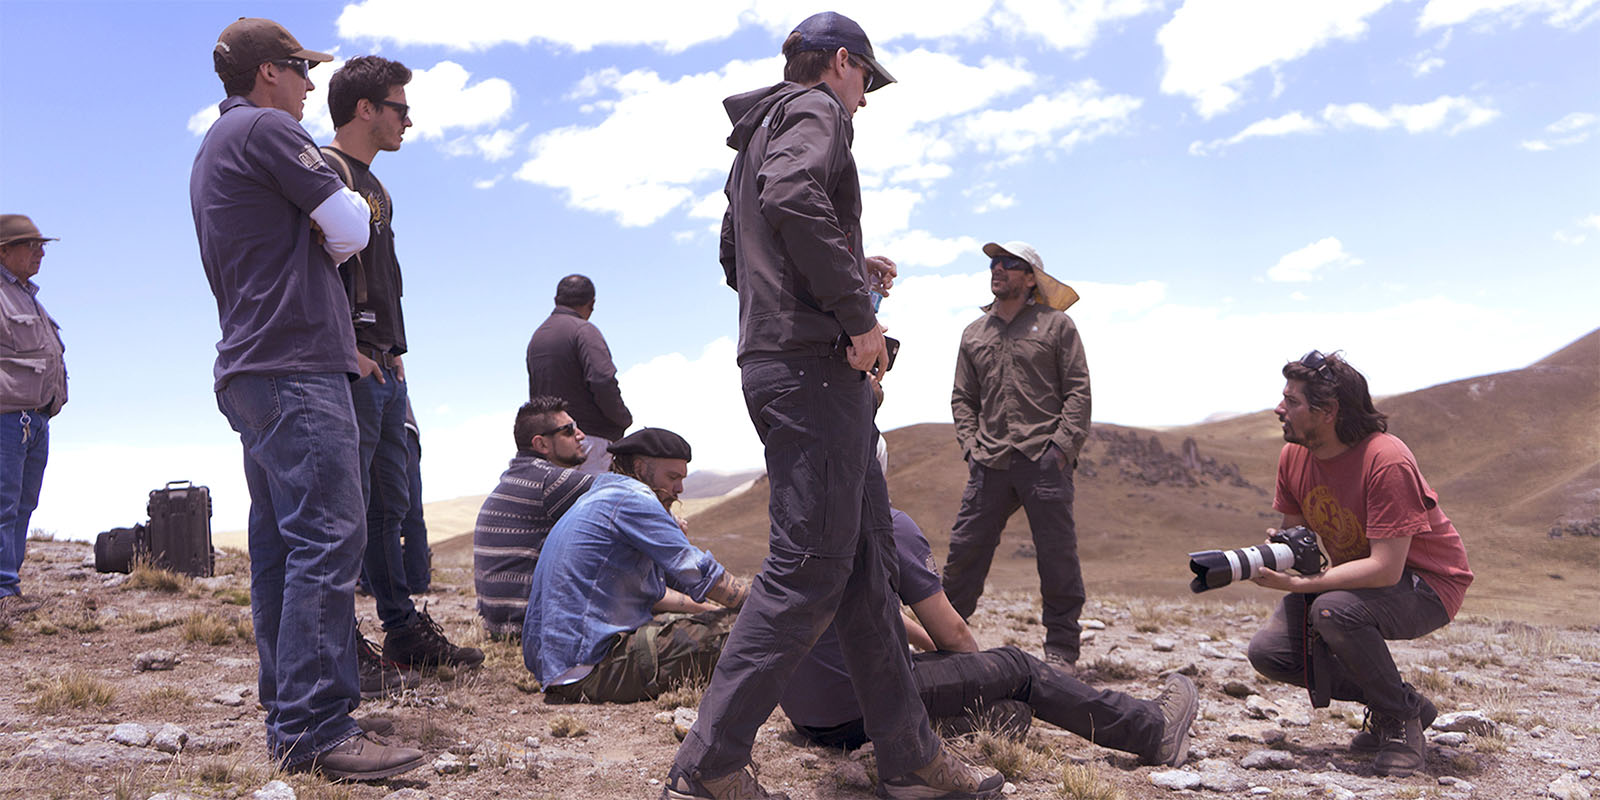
(641, 664)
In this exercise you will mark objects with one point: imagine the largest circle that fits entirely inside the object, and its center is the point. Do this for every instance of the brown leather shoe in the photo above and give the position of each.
(363, 758)
(1404, 752)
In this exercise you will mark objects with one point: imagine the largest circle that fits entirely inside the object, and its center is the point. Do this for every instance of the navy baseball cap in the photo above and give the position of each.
(831, 30)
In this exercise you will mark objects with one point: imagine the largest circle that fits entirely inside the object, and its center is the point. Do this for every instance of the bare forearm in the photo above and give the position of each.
(730, 591)
(676, 602)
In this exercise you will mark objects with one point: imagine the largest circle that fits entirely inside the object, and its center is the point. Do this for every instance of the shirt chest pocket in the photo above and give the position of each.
(26, 332)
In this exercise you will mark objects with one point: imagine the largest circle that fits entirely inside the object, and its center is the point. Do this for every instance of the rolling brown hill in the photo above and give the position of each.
(1513, 455)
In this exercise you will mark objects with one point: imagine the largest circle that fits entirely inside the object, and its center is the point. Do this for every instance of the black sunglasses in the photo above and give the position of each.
(405, 110)
(868, 78)
(1318, 362)
(568, 429)
(1013, 264)
(299, 65)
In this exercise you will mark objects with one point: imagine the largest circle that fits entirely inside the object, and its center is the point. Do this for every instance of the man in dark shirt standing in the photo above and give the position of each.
(273, 222)
(539, 486)
(808, 336)
(367, 100)
(1021, 406)
(568, 358)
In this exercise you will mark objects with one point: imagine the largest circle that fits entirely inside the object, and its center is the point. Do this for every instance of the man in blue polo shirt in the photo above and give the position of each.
(273, 222)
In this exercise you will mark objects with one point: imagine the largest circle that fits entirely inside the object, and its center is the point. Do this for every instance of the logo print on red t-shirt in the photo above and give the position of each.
(1339, 529)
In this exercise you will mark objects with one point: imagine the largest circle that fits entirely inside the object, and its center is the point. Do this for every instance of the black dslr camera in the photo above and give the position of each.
(1292, 548)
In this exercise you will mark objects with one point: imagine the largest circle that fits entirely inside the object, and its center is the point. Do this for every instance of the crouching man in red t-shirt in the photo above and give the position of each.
(1398, 569)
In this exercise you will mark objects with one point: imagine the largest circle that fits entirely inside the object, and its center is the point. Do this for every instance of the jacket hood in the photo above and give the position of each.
(748, 110)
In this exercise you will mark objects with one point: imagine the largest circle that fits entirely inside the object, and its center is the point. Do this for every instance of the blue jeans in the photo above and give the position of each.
(307, 531)
(831, 552)
(386, 487)
(24, 449)
(414, 531)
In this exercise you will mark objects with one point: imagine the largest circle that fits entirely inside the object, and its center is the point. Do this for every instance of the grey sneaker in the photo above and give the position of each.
(1375, 728)
(362, 758)
(1179, 702)
(946, 777)
(741, 785)
(1404, 752)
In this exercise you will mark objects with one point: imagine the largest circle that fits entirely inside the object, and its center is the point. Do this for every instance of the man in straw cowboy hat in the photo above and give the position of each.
(33, 388)
(1021, 406)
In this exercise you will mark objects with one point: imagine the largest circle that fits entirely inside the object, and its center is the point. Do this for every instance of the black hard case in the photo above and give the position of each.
(180, 528)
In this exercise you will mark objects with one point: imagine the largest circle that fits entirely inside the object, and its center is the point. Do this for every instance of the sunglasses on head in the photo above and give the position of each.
(1318, 363)
(565, 430)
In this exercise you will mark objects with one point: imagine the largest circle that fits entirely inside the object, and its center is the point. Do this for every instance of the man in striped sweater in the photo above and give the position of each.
(540, 484)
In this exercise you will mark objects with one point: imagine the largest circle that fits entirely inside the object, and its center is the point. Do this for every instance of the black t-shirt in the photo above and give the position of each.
(382, 268)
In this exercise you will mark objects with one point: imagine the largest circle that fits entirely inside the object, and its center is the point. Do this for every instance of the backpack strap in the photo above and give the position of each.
(354, 270)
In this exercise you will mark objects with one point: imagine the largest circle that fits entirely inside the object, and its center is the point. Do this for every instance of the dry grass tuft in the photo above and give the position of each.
(1078, 782)
(215, 629)
(142, 622)
(148, 576)
(1115, 669)
(79, 620)
(686, 692)
(70, 690)
(41, 535)
(233, 596)
(165, 699)
(527, 684)
(1016, 759)
(566, 726)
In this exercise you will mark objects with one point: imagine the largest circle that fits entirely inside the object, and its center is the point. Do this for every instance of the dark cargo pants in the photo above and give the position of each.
(957, 686)
(656, 658)
(830, 551)
(1354, 623)
(991, 497)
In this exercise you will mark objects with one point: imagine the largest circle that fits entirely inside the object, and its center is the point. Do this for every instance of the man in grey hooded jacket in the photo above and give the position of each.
(808, 337)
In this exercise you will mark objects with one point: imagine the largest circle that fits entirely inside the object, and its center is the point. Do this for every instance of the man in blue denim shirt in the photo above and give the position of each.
(612, 562)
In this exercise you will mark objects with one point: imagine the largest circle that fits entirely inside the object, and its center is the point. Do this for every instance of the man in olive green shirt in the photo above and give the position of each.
(1021, 406)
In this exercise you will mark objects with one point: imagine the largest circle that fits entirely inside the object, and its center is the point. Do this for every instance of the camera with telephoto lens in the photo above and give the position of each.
(1292, 548)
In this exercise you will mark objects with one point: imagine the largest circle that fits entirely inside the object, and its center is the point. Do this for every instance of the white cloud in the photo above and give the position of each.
(200, 121)
(497, 145)
(1580, 235)
(1570, 14)
(1212, 47)
(1302, 265)
(485, 183)
(711, 415)
(1427, 65)
(1291, 123)
(1458, 113)
(482, 24)
(1082, 112)
(997, 201)
(1574, 128)
(1298, 296)
(920, 248)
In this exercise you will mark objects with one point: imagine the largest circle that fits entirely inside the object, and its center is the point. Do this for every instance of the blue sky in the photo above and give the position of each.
(1226, 184)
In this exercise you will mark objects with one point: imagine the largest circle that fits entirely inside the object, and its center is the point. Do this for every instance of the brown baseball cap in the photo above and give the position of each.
(253, 41)
(18, 228)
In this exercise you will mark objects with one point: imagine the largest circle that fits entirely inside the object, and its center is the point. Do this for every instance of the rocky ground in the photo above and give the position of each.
(143, 686)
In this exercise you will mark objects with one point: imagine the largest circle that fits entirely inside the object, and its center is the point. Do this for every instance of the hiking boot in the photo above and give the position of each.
(380, 677)
(1370, 739)
(381, 726)
(947, 776)
(741, 785)
(1179, 702)
(422, 644)
(362, 758)
(1404, 752)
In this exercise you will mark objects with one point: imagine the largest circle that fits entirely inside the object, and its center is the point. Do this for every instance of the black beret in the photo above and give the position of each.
(657, 442)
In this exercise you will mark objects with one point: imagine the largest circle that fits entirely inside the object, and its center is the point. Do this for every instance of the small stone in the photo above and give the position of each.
(131, 734)
(1163, 645)
(682, 720)
(1238, 689)
(1467, 722)
(155, 660)
(1258, 707)
(664, 717)
(532, 743)
(810, 760)
(1211, 652)
(1568, 787)
(1337, 792)
(448, 764)
(1176, 779)
(1086, 637)
(463, 748)
(1272, 736)
(1091, 624)
(1451, 739)
(211, 744)
(230, 697)
(274, 790)
(1009, 788)
(408, 794)
(170, 739)
(1539, 732)
(1268, 759)
(1295, 718)
(1262, 790)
